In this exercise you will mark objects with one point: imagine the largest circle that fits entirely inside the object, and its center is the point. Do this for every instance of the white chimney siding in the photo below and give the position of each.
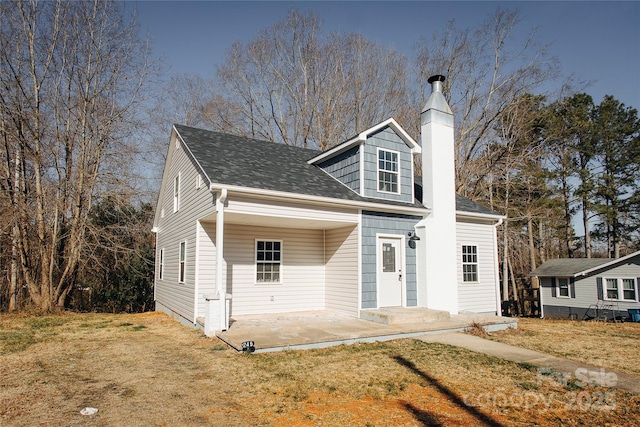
(438, 288)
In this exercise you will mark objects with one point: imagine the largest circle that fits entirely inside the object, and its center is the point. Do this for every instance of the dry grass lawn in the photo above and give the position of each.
(615, 346)
(147, 370)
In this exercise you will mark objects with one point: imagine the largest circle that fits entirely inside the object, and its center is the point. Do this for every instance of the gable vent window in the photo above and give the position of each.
(268, 261)
(469, 263)
(387, 171)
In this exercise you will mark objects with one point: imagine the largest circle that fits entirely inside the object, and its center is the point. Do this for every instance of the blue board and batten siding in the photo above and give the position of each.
(345, 167)
(387, 139)
(374, 223)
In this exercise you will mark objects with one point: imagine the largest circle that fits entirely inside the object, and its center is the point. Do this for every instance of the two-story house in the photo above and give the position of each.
(252, 227)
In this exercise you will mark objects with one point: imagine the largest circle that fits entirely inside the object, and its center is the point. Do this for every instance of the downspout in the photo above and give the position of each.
(496, 268)
(222, 288)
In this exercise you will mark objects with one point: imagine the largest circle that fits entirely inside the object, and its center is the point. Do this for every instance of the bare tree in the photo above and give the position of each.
(486, 71)
(293, 85)
(71, 78)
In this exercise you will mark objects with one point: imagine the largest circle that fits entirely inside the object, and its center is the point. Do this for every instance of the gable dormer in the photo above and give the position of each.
(377, 163)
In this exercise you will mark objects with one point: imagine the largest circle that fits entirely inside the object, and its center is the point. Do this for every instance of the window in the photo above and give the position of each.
(198, 182)
(161, 264)
(612, 288)
(629, 289)
(183, 261)
(176, 193)
(563, 287)
(268, 261)
(387, 171)
(469, 263)
(621, 289)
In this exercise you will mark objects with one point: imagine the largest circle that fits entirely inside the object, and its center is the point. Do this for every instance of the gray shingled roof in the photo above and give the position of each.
(462, 203)
(235, 160)
(567, 266)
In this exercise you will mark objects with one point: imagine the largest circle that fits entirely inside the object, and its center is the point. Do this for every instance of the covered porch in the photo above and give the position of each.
(271, 256)
(324, 328)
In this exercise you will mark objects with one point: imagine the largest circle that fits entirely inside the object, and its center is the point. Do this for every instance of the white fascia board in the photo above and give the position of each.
(340, 148)
(279, 195)
(476, 215)
(606, 264)
(362, 136)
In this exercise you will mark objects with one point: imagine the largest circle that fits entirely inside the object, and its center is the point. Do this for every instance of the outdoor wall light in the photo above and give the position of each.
(412, 239)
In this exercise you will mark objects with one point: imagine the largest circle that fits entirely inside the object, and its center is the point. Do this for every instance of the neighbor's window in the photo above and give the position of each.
(612, 288)
(622, 289)
(268, 261)
(183, 261)
(387, 171)
(563, 287)
(176, 193)
(469, 263)
(629, 289)
(161, 264)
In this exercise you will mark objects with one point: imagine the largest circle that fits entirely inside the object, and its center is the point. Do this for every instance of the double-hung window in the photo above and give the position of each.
(183, 262)
(161, 264)
(268, 261)
(622, 289)
(563, 287)
(469, 263)
(388, 171)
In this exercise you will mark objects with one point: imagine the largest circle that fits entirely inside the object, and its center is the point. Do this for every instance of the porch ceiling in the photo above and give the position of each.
(279, 222)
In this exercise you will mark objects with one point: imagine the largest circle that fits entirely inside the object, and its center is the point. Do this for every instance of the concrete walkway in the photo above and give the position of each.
(570, 369)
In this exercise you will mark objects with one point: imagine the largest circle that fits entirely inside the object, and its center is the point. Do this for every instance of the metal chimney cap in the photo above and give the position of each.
(436, 78)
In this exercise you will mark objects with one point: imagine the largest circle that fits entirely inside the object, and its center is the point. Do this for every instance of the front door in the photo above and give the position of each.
(389, 272)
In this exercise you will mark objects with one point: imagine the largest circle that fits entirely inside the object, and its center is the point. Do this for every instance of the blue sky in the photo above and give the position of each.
(595, 41)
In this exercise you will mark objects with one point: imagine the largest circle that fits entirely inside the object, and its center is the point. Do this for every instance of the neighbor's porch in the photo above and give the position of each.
(323, 328)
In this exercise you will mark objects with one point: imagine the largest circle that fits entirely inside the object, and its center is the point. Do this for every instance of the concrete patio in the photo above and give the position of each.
(318, 329)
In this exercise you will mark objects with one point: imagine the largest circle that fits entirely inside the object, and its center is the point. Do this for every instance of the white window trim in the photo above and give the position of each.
(161, 266)
(176, 192)
(620, 289)
(182, 278)
(477, 263)
(255, 262)
(198, 181)
(384, 170)
(568, 296)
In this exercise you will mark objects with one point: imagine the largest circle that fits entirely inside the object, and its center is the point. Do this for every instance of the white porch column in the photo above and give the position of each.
(220, 285)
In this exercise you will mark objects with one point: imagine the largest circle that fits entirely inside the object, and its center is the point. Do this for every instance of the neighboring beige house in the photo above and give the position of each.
(250, 227)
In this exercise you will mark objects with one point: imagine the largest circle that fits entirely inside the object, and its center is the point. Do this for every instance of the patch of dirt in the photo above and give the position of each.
(149, 370)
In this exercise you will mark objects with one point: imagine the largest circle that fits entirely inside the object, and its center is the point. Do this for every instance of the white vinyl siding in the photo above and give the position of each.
(341, 270)
(478, 296)
(302, 286)
(178, 227)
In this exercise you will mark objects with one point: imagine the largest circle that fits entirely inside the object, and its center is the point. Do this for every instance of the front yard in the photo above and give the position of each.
(151, 371)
